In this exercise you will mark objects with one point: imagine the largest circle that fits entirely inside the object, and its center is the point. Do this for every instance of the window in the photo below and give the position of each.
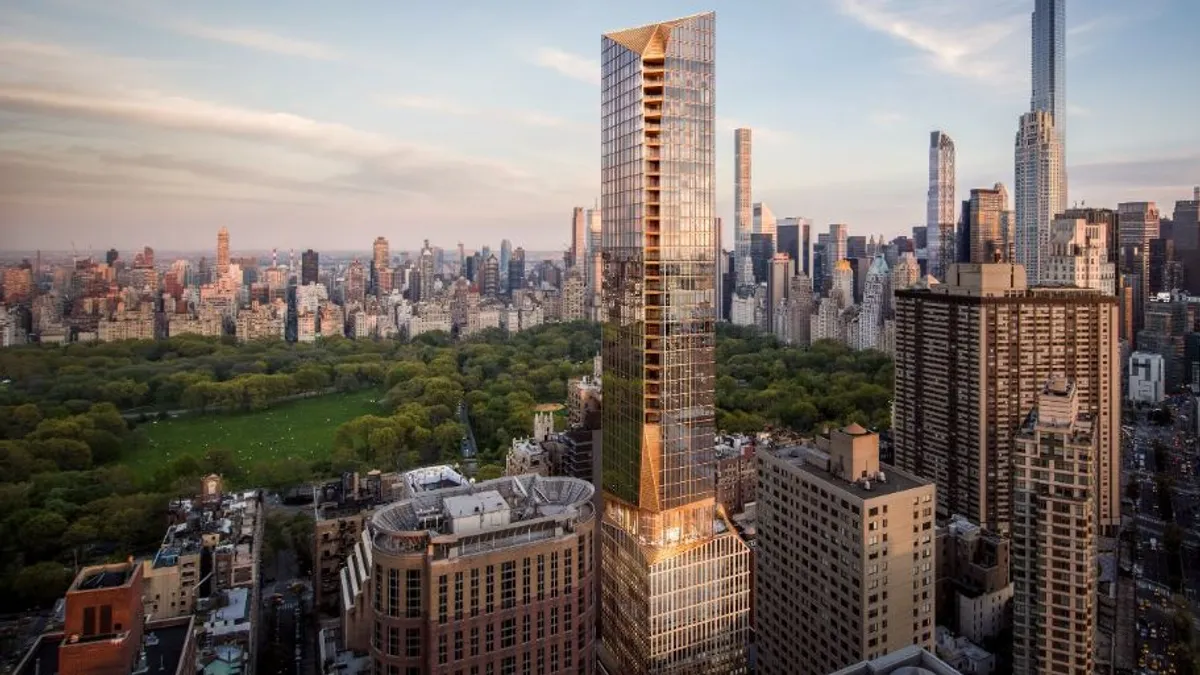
(393, 592)
(393, 643)
(554, 621)
(474, 640)
(412, 594)
(475, 591)
(525, 632)
(541, 578)
(554, 574)
(458, 645)
(491, 589)
(569, 573)
(443, 651)
(526, 586)
(458, 596)
(567, 617)
(491, 637)
(508, 633)
(412, 642)
(541, 627)
(508, 585)
(443, 599)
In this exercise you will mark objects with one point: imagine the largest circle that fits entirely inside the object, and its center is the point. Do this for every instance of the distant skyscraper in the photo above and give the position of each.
(674, 591)
(1038, 184)
(222, 252)
(762, 249)
(972, 354)
(516, 271)
(1055, 535)
(1137, 225)
(1187, 223)
(906, 272)
(1049, 75)
(309, 268)
(595, 265)
(505, 259)
(985, 212)
(856, 247)
(777, 286)
(877, 296)
(806, 249)
(111, 257)
(356, 283)
(578, 238)
(742, 206)
(379, 253)
(939, 210)
(1078, 256)
(425, 274)
(489, 287)
(787, 240)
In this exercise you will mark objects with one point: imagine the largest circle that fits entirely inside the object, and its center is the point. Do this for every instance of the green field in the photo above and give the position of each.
(299, 430)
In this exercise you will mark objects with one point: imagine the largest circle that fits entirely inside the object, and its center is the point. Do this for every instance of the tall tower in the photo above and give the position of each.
(1038, 172)
(222, 252)
(939, 208)
(743, 207)
(985, 213)
(1049, 73)
(675, 576)
(578, 237)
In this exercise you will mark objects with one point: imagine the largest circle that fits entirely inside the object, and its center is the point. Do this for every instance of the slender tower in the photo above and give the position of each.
(743, 207)
(1049, 73)
(939, 208)
(222, 252)
(675, 589)
(1038, 175)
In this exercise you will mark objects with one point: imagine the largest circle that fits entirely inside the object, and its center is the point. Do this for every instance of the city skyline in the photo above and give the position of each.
(389, 146)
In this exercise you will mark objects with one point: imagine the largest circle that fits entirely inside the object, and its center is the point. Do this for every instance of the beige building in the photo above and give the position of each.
(972, 354)
(261, 322)
(135, 324)
(845, 558)
(1054, 536)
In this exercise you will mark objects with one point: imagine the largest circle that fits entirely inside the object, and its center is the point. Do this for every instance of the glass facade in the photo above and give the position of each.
(675, 589)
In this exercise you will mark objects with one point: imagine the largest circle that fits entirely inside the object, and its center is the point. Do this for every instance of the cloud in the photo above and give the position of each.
(565, 63)
(1077, 110)
(1138, 172)
(727, 126)
(967, 38)
(259, 40)
(885, 118)
(449, 107)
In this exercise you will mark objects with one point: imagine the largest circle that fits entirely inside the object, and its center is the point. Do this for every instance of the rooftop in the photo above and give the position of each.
(165, 644)
(908, 661)
(91, 580)
(814, 461)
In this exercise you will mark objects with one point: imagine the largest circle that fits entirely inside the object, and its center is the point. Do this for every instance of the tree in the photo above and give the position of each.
(42, 582)
(488, 472)
(41, 533)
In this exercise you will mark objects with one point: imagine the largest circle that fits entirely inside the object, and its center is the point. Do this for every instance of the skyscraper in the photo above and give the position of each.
(985, 212)
(674, 592)
(972, 354)
(1038, 174)
(1078, 256)
(787, 240)
(837, 248)
(1054, 536)
(379, 254)
(309, 267)
(806, 249)
(505, 258)
(877, 298)
(222, 252)
(742, 206)
(578, 238)
(939, 208)
(777, 288)
(516, 271)
(1049, 75)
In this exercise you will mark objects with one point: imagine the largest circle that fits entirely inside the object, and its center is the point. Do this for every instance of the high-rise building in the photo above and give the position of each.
(425, 274)
(762, 250)
(820, 264)
(595, 265)
(1054, 535)
(1078, 256)
(222, 252)
(516, 271)
(856, 247)
(788, 240)
(777, 287)
(841, 288)
(309, 267)
(489, 286)
(877, 298)
(806, 249)
(675, 588)
(1049, 75)
(505, 259)
(1039, 197)
(742, 206)
(972, 354)
(985, 212)
(1137, 225)
(379, 254)
(1007, 223)
(578, 238)
(496, 577)
(906, 272)
(940, 204)
(844, 565)
(836, 248)
(1187, 223)
(111, 257)
(800, 306)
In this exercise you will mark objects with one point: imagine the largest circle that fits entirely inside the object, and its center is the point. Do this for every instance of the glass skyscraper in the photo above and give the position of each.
(1049, 73)
(675, 576)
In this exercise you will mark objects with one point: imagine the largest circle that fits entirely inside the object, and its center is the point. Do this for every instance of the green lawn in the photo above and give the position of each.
(300, 430)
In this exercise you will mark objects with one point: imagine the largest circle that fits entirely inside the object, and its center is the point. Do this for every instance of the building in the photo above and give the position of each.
(737, 473)
(1168, 320)
(489, 286)
(516, 271)
(777, 287)
(1186, 219)
(106, 632)
(985, 213)
(355, 291)
(974, 582)
(837, 247)
(845, 556)
(497, 577)
(222, 252)
(1147, 378)
(877, 296)
(799, 311)
(1137, 226)
(1049, 70)
(1054, 536)
(261, 322)
(940, 204)
(969, 356)
(309, 267)
(742, 206)
(1078, 256)
(577, 255)
(964, 655)
(788, 239)
(1039, 182)
(912, 660)
(673, 565)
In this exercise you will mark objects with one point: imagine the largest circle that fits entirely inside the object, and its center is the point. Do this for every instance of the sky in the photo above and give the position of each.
(309, 123)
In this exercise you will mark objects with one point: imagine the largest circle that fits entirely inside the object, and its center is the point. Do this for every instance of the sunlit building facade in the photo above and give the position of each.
(939, 207)
(675, 576)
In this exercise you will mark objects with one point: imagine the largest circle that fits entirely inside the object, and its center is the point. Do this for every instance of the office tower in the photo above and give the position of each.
(1137, 225)
(1078, 256)
(1007, 223)
(675, 589)
(806, 249)
(309, 266)
(972, 355)
(800, 306)
(742, 206)
(877, 298)
(426, 273)
(962, 235)
(578, 238)
(1049, 76)
(762, 250)
(1166, 268)
(841, 287)
(489, 286)
(985, 212)
(1187, 223)
(462, 260)
(787, 240)
(1038, 183)
(940, 204)
(820, 264)
(920, 237)
(505, 259)
(379, 254)
(764, 220)
(837, 247)
(856, 247)
(111, 257)
(492, 577)
(516, 271)
(1054, 535)
(1107, 220)
(1167, 323)
(777, 287)
(222, 252)
(356, 283)
(844, 565)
